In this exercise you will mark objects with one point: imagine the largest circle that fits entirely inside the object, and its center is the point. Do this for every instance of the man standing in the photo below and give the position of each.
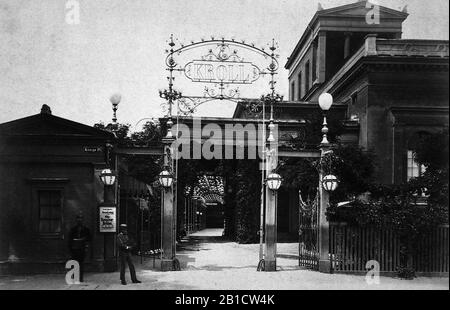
(125, 257)
(79, 238)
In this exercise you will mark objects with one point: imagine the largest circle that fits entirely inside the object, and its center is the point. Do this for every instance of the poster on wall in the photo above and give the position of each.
(107, 219)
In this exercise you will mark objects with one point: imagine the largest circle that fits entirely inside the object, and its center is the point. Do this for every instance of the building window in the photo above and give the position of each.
(307, 77)
(50, 211)
(414, 168)
(354, 99)
(300, 86)
(314, 62)
(292, 91)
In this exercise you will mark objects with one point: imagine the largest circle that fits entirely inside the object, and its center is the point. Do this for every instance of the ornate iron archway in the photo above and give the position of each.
(223, 67)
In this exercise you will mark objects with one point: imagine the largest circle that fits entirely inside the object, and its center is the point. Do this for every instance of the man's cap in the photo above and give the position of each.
(123, 225)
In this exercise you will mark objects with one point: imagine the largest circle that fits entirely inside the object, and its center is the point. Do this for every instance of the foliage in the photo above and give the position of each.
(228, 169)
(121, 131)
(151, 134)
(397, 207)
(143, 168)
(432, 150)
(407, 273)
(412, 209)
(248, 198)
(353, 166)
(300, 173)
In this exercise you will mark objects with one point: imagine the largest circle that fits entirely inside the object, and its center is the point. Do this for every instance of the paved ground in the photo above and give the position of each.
(209, 262)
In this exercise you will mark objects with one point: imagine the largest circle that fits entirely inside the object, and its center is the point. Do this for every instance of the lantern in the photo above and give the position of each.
(325, 101)
(115, 99)
(330, 182)
(165, 179)
(273, 181)
(108, 177)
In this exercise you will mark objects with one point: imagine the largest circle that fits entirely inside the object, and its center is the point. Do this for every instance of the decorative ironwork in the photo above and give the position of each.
(272, 99)
(254, 107)
(222, 91)
(222, 66)
(295, 140)
(309, 232)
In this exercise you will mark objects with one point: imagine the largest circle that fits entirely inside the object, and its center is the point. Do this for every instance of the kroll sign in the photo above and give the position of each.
(226, 72)
(223, 65)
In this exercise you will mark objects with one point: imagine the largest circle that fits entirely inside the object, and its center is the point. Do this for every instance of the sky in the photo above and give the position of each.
(119, 46)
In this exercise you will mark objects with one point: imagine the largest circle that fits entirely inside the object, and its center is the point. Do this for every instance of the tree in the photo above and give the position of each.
(121, 131)
(353, 166)
(144, 168)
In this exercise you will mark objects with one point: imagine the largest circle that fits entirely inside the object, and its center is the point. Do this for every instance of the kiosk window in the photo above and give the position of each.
(50, 211)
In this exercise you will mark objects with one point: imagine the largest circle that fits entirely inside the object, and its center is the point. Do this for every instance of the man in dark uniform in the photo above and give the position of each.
(124, 243)
(79, 238)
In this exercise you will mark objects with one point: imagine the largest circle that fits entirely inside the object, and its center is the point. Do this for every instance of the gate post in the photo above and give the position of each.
(270, 259)
(167, 216)
(324, 225)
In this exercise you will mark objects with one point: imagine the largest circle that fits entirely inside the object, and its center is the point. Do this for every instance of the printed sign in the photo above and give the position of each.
(108, 223)
(92, 149)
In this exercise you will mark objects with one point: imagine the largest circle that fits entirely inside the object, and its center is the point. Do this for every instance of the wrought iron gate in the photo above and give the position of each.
(309, 232)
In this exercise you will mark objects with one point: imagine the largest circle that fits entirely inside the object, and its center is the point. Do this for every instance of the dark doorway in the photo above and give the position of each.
(214, 215)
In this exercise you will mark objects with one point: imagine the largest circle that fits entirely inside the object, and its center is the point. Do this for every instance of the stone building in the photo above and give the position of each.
(387, 90)
(395, 89)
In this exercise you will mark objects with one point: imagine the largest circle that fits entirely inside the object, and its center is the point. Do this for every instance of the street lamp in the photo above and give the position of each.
(108, 177)
(115, 100)
(273, 181)
(325, 103)
(165, 179)
(330, 182)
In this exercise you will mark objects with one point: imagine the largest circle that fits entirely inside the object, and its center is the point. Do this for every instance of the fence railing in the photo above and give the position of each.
(433, 254)
(352, 247)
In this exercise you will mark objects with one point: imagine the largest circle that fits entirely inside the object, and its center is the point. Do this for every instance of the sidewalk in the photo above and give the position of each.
(208, 262)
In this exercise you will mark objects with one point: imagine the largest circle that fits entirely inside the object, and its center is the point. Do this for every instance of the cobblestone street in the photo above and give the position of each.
(209, 262)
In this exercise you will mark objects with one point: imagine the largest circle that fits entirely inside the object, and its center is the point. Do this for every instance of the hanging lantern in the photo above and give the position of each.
(108, 177)
(273, 181)
(330, 183)
(165, 179)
